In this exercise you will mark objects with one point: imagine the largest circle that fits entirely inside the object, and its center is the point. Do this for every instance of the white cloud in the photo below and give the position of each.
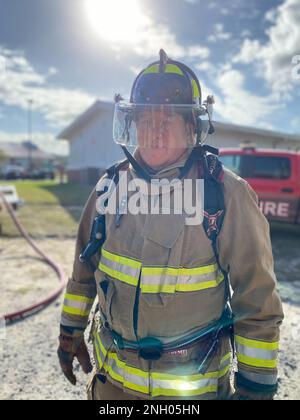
(244, 9)
(238, 105)
(155, 36)
(295, 124)
(219, 34)
(45, 141)
(272, 58)
(205, 66)
(150, 38)
(246, 33)
(22, 83)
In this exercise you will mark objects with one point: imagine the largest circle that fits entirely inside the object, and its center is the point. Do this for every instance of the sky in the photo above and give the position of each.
(57, 57)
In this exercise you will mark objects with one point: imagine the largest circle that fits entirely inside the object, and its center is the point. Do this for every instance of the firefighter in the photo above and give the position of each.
(176, 299)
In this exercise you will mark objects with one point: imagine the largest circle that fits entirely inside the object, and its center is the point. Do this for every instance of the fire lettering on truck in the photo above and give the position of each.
(271, 208)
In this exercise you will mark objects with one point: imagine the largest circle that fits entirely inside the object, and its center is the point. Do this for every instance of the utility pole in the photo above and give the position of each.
(30, 102)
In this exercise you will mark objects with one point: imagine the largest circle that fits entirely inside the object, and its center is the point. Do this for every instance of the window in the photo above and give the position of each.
(232, 162)
(265, 167)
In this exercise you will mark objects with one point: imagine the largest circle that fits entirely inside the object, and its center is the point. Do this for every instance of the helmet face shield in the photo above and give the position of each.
(155, 126)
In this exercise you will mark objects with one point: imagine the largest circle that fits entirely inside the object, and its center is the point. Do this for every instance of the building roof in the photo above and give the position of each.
(22, 150)
(99, 106)
(95, 109)
(258, 131)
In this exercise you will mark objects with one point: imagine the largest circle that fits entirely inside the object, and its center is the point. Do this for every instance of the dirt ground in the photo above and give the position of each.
(28, 364)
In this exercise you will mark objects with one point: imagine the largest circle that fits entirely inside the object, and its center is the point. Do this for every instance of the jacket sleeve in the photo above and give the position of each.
(81, 288)
(245, 250)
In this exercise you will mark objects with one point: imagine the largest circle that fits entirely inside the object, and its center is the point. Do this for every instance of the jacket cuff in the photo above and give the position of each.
(78, 302)
(246, 385)
(74, 331)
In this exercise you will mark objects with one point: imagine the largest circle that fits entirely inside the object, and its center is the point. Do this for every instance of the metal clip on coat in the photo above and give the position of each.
(97, 239)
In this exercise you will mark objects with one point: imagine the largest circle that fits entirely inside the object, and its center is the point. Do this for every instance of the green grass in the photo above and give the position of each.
(50, 209)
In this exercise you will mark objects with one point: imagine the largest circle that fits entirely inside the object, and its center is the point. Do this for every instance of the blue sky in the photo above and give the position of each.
(63, 55)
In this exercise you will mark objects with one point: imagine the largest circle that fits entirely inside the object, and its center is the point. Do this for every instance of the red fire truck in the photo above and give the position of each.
(273, 174)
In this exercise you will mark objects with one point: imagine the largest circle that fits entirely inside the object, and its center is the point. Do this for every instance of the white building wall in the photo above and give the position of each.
(226, 138)
(94, 147)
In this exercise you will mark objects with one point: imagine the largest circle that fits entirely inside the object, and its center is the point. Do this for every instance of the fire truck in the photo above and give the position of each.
(273, 174)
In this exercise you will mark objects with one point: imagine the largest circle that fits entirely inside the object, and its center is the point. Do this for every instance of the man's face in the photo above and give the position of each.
(163, 137)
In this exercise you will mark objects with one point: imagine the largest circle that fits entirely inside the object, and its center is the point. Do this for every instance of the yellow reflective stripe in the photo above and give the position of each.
(199, 286)
(255, 344)
(128, 369)
(75, 311)
(102, 348)
(99, 359)
(182, 384)
(121, 260)
(113, 374)
(172, 288)
(224, 371)
(79, 298)
(186, 393)
(152, 69)
(199, 270)
(172, 68)
(226, 358)
(135, 387)
(251, 361)
(179, 271)
(195, 89)
(133, 281)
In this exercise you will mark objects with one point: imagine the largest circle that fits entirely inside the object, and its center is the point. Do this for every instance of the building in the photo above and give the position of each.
(92, 149)
(25, 155)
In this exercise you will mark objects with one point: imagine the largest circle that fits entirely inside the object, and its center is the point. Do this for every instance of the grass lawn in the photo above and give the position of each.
(50, 208)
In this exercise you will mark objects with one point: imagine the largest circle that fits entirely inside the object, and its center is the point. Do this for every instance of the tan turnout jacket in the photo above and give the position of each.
(170, 269)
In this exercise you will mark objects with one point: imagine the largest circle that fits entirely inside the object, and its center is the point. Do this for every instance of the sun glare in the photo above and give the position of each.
(116, 20)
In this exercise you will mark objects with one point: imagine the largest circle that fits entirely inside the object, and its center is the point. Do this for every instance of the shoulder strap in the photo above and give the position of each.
(98, 235)
(214, 203)
(214, 207)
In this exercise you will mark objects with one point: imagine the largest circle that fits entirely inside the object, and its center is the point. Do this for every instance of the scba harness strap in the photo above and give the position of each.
(210, 169)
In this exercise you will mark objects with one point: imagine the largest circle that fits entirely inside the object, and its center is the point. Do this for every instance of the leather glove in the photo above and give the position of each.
(72, 345)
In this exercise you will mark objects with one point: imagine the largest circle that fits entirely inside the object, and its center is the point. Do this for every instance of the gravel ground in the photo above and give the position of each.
(28, 363)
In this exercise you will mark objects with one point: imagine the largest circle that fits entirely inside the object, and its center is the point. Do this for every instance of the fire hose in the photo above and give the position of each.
(37, 307)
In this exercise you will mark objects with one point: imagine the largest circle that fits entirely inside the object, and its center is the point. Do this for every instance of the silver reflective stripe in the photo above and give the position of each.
(181, 279)
(260, 378)
(74, 324)
(182, 385)
(121, 268)
(120, 372)
(256, 353)
(82, 306)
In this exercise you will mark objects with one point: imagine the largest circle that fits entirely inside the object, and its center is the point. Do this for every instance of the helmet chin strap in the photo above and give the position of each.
(198, 152)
